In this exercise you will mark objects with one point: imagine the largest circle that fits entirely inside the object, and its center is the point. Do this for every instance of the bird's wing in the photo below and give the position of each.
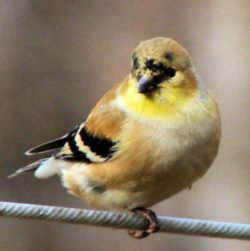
(95, 140)
(49, 145)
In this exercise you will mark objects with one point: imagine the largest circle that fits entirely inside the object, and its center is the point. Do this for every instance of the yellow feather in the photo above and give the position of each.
(162, 104)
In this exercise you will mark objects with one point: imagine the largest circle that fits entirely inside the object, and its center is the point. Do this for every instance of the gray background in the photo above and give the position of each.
(56, 60)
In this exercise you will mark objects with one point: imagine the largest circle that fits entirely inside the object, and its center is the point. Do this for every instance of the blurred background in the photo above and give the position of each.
(57, 58)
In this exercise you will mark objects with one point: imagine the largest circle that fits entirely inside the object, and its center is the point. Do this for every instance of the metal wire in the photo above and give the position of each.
(125, 220)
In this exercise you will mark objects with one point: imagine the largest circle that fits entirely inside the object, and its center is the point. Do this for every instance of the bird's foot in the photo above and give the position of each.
(153, 225)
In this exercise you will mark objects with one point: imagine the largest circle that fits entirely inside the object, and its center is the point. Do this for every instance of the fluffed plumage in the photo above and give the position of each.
(145, 140)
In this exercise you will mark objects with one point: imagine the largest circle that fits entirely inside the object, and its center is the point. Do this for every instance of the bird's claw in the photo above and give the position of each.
(153, 225)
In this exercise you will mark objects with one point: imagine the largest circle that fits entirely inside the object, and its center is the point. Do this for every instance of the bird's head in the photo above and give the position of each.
(162, 79)
(160, 63)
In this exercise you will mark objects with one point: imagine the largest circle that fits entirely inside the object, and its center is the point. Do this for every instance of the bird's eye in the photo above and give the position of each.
(150, 64)
(170, 72)
(153, 66)
(160, 68)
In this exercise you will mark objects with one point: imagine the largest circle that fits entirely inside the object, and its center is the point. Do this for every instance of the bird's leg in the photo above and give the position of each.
(153, 225)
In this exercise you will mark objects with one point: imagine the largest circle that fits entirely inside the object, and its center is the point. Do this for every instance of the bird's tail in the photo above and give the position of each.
(43, 168)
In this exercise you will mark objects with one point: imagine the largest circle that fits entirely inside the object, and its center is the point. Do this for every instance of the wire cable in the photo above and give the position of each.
(125, 220)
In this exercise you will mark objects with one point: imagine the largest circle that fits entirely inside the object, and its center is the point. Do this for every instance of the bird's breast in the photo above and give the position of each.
(156, 159)
(192, 137)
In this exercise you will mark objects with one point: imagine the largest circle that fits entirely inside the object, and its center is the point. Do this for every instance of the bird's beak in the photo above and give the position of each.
(145, 84)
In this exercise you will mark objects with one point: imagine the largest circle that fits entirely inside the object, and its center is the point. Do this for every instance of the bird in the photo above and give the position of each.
(148, 138)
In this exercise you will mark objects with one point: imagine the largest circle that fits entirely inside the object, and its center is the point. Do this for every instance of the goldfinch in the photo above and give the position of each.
(147, 138)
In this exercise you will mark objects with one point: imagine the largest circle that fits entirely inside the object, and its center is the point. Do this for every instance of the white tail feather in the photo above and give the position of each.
(47, 168)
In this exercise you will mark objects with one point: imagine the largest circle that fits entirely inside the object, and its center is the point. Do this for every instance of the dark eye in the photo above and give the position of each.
(153, 66)
(150, 65)
(170, 72)
(160, 68)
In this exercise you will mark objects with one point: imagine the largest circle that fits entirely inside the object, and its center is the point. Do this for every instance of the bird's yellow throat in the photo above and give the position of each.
(164, 103)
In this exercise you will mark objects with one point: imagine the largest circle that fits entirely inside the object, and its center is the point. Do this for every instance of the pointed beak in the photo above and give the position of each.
(145, 84)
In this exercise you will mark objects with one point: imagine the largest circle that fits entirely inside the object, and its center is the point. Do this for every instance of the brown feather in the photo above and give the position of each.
(105, 119)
